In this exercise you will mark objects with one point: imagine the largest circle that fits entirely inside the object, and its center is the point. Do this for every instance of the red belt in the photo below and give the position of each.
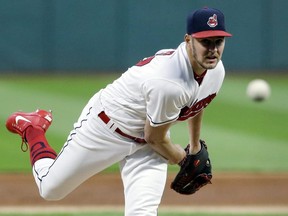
(106, 119)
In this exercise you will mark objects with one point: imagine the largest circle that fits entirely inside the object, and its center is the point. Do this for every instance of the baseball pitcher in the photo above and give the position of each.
(128, 122)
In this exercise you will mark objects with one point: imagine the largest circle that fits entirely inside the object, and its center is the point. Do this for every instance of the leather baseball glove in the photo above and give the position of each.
(195, 171)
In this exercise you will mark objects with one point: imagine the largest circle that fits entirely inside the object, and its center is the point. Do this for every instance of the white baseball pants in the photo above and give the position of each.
(90, 148)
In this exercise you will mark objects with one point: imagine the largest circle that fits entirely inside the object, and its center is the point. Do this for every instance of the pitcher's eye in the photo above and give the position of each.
(219, 42)
(205, 42)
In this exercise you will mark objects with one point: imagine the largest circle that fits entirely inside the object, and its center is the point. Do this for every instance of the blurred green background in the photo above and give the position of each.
(54, 36)
(242, 135)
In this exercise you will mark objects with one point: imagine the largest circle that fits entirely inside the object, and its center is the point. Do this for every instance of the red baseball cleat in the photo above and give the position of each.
(18, 122)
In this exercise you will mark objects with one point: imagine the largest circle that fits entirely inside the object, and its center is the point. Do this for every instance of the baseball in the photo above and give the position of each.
(258, 90)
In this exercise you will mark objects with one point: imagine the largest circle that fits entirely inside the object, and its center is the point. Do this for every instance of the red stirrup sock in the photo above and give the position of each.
(38, 145)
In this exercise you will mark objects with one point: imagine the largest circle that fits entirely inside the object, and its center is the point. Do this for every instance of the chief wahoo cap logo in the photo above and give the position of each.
(212, 21)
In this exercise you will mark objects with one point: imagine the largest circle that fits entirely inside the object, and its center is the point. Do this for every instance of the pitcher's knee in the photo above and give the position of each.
(52, 195)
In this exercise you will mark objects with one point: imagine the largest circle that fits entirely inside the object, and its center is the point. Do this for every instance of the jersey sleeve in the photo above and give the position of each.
(164, 100)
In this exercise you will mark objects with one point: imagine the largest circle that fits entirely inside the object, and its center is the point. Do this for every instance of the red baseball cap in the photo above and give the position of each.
(206, 22)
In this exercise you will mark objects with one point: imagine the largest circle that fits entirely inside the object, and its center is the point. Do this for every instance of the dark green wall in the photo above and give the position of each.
(111, 35)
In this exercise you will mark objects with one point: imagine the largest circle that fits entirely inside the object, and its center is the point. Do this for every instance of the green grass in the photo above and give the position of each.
(241, 135)
(251, 136)
(65, 96)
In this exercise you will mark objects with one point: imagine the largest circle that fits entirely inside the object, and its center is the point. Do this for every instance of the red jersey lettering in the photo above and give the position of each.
(145, 61)
(188, 112)
(149, 59)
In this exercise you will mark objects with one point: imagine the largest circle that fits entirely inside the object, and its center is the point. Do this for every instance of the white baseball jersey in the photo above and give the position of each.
(162, 88)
